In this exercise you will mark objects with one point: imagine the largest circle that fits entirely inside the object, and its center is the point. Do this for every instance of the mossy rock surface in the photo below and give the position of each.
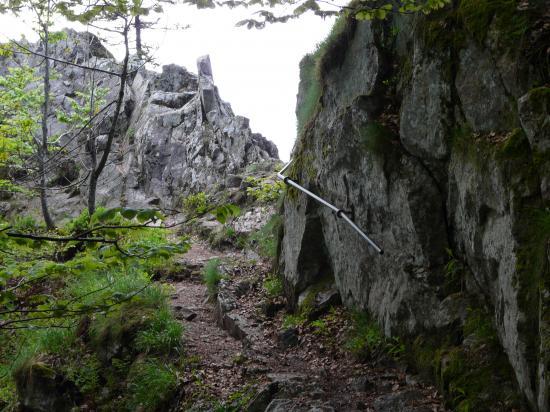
(486, 179)
(114, 335)
(42, 388)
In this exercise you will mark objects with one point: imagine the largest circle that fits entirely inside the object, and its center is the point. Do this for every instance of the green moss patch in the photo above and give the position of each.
(311, 87)
(313, 67)
(306, 308)
(468, 364)
(539, 97)
(267, 238)
(449, 28)
(375, 138)
(477, 15)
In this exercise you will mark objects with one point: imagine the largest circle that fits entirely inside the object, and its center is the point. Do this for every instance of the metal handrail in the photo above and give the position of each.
(339, 212)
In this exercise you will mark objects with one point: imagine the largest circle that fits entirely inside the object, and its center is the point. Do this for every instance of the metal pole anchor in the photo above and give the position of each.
(339, 212)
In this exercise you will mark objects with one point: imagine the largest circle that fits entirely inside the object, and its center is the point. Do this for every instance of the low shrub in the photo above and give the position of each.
(196, 204)
(264, 190)
(102, 312)
(367, 341)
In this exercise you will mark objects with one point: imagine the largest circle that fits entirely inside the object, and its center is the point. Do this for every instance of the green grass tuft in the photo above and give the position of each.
(267, 238)
(294, 320)
(366, 340)
(212, 276)
(273, 286)
(151, 385)
(375, 138)
(314, 66)
(163, 335)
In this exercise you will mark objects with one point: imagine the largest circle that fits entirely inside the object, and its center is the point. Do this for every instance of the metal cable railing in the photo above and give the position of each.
(339, 212)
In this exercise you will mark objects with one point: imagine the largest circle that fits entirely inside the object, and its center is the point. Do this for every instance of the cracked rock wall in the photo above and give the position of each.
(439, 148)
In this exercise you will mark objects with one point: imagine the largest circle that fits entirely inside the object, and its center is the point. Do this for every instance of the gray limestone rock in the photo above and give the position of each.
(233, 181)
(171, 99)
(426, 107)
(175, 136)
(534, 109)
(184, 313)
(253, 219)
(455, 176)
(43, 389)
(280, 405)
(483, 98)
(288, 338)
(400, 402)
(263, 398)
(319, 301)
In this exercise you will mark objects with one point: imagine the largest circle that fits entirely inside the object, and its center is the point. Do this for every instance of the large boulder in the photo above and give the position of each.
(441, 156)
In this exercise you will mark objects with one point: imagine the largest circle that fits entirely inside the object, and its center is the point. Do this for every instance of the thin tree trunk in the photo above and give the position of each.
(43, 195)
(94, 175)
(92, 150)
(139, 49)
(43, 148)
(92, 147)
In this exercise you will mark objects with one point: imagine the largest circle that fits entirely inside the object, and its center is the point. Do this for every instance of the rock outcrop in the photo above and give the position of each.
(434, 134)
(175, 136)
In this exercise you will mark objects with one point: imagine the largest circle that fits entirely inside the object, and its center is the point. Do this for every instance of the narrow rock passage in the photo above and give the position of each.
(238, 359)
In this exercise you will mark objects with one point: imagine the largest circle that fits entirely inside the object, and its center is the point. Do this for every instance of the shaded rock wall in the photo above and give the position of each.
(175, 136)
(436, 139)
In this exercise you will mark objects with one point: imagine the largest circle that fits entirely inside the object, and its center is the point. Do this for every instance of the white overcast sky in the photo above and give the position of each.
(255, 70)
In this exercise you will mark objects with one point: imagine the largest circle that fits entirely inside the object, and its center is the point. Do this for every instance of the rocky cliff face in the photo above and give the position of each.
(434, 133)
(176, 136)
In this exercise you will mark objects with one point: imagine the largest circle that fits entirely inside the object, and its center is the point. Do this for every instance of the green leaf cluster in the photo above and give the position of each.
(226, 212)
(141, 215)
(84, 106)
(264, 190)
(358, 9)
(20, 114)
(197, 203)
(47, 291)
(84, 12)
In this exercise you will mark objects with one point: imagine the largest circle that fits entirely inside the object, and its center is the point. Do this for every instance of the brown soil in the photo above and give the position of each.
(318, 371)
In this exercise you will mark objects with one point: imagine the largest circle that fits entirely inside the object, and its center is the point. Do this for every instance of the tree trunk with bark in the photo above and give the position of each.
(43, 146)
(138, 26)
(96, 171)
